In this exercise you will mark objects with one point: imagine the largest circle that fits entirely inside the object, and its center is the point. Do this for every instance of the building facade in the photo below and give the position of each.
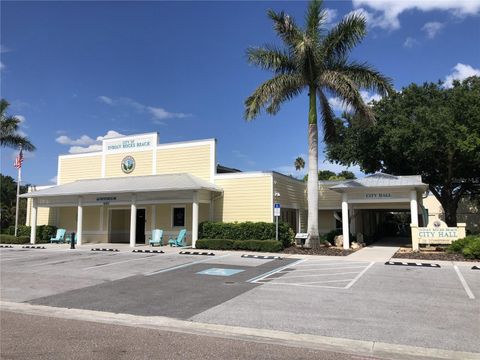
(136, 184)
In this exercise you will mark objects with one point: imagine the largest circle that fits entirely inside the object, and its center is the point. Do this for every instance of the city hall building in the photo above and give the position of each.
(136, 184)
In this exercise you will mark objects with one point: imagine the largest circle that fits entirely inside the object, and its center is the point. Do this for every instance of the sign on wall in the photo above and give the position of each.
(134, 143)
(437, 232)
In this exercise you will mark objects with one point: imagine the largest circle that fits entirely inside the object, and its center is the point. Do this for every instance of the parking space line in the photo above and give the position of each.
(335, 268)
(274, 271)
(23, 257)
(330, 263)
(359, 275)
(319, 282)
(464, 282)
(304, 285)
(116, 262)
(327, 274)
(184, 265)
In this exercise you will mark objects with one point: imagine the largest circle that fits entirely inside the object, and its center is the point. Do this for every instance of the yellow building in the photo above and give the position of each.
(136, 184)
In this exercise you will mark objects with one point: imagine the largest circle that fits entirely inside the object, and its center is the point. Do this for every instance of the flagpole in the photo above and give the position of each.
(19, 179)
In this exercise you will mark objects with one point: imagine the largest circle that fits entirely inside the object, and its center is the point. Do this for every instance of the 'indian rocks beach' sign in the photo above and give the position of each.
(437, 232)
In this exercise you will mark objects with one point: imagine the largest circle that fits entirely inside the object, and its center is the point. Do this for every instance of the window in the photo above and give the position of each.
(179, 216)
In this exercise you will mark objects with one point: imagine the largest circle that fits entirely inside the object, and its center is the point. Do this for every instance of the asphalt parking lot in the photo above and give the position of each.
(420, 306)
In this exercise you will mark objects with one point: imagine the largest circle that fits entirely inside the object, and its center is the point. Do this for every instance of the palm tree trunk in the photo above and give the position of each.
(313, 240)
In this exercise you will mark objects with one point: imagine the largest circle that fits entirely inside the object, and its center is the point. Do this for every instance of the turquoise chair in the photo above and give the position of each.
(156, 238)
(180, 240)
(59, 237)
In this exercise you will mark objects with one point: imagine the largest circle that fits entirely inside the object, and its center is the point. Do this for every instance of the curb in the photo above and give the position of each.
(412, 264)
(103, 249)
(196, 253)
(149, 251)
(261, 257)
(33, 247)
(475, 267)
(6, 246)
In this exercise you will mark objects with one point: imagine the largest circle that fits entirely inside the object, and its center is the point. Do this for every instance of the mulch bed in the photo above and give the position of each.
(431, 255)
(329, 251)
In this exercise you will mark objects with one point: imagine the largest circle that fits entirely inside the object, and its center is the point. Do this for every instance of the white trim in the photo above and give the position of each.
(176, 206)
(213, 160)
(377, 201)
(190, 143)
(249, 174)
(95, 153)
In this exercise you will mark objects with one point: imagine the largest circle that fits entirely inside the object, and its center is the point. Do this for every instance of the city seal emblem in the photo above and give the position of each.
(128, 164)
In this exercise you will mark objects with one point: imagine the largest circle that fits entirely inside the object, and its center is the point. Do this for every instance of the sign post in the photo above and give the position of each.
(276, 213)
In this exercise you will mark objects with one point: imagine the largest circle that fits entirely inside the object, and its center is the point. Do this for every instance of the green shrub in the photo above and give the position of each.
(44, 232)
(251, 245)
(10, 239)
(468, 247)
(245, 231)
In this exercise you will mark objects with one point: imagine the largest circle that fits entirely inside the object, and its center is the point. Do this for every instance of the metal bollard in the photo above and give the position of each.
(72, 240)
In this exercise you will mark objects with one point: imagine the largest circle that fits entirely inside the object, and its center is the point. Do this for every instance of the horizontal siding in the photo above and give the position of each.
(292, 192)
(79, 168)
(195, 160)
(328, 198)
(143, 164)
(245, 199)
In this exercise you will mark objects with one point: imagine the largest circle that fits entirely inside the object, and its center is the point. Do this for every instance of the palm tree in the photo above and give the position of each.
(299, 163)
(9, 136)
(315, 60)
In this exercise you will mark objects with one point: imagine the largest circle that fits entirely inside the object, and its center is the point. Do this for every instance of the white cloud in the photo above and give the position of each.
(410, 42)
(432, 28)
(85, 143)
(83, 140)
(157, 113)
(54, 179)
(338, 105)
(2, 67)
(390, 10)
(460, 72)
(331, 15)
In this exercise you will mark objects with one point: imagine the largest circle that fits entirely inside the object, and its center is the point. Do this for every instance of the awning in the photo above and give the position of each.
(127, 184)
(381, 180)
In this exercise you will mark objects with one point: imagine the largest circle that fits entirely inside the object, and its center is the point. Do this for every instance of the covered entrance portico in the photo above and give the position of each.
(136, 196)
(360, 199)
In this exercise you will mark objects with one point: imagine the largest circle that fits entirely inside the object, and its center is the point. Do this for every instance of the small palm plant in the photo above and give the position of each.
(314, 60)
(9, 136)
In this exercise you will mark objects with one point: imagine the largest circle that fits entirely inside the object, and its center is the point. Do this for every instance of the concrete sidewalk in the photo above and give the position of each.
(374, 252)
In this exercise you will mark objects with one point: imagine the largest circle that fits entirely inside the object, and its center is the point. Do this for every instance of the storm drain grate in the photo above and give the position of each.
(401, 263)
(261, 257)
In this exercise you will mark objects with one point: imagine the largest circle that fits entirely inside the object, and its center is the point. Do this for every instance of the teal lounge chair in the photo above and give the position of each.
(180, 240)
(60, 237)
(156, 238)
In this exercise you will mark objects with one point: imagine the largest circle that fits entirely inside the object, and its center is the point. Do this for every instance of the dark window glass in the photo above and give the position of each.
(178, 216)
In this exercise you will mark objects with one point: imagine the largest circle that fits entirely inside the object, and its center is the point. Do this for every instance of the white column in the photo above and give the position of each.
(133, 221)
(79, 221)
(346, 233)
(154, 217)
(194, 219)
(33, 222)
(413, 208)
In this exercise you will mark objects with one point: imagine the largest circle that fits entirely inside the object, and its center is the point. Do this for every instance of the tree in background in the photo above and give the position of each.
(428, 130)
(9, 136)
(8, 194)
(299, 163)
(330, 175)
(315, 59)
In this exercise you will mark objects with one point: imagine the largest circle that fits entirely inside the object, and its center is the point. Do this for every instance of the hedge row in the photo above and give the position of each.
(10, 239)
(246, 231)
(251, 245)
(468, 247)
(44, 232)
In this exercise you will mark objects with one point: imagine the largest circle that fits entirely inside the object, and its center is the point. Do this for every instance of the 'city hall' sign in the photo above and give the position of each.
(436, 233)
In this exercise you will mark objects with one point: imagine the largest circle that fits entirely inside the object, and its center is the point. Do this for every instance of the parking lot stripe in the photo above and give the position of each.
(359, 275)
(274, 271)
(334, 268)
(327, 274)
(333, 263)
(23, 257)
(464, 283)
(184, 265)
(117, 262)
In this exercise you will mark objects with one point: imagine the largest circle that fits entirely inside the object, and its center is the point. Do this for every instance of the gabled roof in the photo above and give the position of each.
(381, 180)
(126, 184)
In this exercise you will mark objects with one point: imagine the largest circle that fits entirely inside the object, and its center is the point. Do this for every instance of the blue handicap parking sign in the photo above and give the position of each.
(220, 272)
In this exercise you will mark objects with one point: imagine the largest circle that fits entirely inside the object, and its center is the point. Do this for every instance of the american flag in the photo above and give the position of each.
(19, 160)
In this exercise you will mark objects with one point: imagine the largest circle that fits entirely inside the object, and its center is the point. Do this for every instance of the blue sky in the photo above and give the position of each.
(75, 71)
